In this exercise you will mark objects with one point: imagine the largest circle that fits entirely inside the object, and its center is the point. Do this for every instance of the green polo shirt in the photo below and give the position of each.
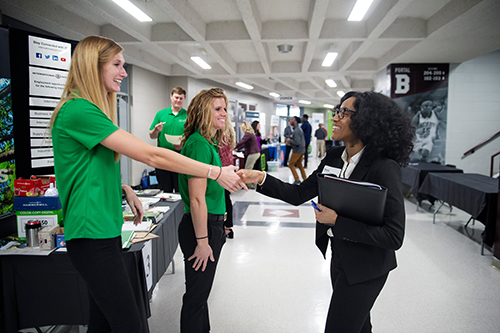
(88, 179)
(198, 148)
(174, 125)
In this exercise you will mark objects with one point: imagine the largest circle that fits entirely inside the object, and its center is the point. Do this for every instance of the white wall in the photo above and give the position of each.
(474, 112)
(150, 93)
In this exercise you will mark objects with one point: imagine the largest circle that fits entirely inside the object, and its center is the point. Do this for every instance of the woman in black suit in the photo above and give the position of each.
(378, 138)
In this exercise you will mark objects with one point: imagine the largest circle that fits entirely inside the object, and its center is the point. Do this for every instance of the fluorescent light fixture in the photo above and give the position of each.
(331, 83)
(200, 62)
(301, 101)
(133, 10)
(244, 85)
(340, 93)
(359, 10)
(329, 59)
(274, 94)
(328, 106)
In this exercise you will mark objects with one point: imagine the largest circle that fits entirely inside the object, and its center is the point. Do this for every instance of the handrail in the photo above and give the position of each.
(473, 149)
(491, 163)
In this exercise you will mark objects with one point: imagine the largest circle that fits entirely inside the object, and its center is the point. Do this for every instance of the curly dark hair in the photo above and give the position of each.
(254, 126)
(382, 125)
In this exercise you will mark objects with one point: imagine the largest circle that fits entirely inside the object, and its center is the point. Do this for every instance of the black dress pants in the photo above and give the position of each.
(194, 312)
(229, 209)
(306, 154)
(288, 150)
(112, 304)
(350, 305)
(168, 181)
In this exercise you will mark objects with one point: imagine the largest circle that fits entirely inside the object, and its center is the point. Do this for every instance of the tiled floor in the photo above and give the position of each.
(272, 279)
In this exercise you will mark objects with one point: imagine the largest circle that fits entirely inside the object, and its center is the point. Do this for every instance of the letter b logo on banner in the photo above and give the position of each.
(402, 84)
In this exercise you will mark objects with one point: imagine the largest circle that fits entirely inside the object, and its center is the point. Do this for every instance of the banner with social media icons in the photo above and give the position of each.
(39, 69)
(49, 53)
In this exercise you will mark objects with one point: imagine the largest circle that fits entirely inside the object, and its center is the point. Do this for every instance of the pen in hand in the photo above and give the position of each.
(315, 206)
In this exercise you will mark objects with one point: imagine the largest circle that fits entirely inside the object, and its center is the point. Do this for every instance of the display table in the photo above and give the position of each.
(414, 174)
(46, 290)
(473, 193)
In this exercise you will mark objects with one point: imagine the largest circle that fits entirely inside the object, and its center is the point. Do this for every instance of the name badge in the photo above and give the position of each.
(331, 170)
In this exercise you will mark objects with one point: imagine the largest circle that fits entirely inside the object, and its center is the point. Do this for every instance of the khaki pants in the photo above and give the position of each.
(296, 161)
(320, 147)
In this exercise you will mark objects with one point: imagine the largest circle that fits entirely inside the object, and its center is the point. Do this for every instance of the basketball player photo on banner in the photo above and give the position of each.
(422, 90)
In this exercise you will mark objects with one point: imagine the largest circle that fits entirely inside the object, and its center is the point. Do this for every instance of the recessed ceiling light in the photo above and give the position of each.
(329, 59)
(301, 101)
(359, 10)
(200, 62)
(328, 106)
(133, 10)
(274, 94)
(340, 93)
(331, 83)
(244, 85)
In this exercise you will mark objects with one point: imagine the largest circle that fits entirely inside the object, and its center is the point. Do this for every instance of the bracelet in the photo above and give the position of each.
(202, 237)
(209, 172)
(220, 171)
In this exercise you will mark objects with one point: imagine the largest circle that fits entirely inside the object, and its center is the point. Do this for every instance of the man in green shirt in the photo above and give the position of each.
(170, 122)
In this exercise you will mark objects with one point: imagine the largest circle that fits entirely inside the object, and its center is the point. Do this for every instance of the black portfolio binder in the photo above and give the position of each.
(357, 200)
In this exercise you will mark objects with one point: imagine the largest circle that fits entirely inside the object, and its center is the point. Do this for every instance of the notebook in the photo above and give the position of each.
(357, 200)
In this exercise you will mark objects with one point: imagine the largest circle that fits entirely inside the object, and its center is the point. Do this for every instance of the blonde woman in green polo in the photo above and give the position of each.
(201, 231)
(87, 147)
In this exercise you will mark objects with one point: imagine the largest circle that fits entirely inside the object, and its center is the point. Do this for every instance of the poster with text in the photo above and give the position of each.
(422, 91)
(39, 69)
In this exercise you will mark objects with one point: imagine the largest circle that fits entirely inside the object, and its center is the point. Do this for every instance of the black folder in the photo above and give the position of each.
(360, 201)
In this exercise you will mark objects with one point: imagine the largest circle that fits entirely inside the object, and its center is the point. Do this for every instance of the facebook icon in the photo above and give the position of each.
(39, 55)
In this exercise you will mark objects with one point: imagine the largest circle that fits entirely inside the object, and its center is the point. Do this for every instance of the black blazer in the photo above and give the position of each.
(366, 251)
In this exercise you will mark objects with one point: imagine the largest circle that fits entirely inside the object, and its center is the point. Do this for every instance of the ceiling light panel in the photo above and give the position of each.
(304, 102)
(244, 85)
(133, 10)
(329, 59)
(200, 62)
(331, 83)
(274, 94)
(359, 10)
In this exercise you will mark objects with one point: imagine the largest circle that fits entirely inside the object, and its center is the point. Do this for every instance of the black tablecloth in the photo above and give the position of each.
(415, 173)
(46, 290)
(473, 193)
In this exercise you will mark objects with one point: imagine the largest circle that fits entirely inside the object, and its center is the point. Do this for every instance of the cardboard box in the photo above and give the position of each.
(47, 237)
(27, 187)
(37, 203)
(60, 241)
(46, 217)
(44, 183)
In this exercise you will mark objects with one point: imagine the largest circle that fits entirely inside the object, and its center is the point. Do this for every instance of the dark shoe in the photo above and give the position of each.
(297, 182)
(230, 234)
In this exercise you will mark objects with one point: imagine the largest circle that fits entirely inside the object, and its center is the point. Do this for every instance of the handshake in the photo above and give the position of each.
(234, 181)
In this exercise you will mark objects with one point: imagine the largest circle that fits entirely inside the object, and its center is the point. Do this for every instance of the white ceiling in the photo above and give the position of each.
(239, 38)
